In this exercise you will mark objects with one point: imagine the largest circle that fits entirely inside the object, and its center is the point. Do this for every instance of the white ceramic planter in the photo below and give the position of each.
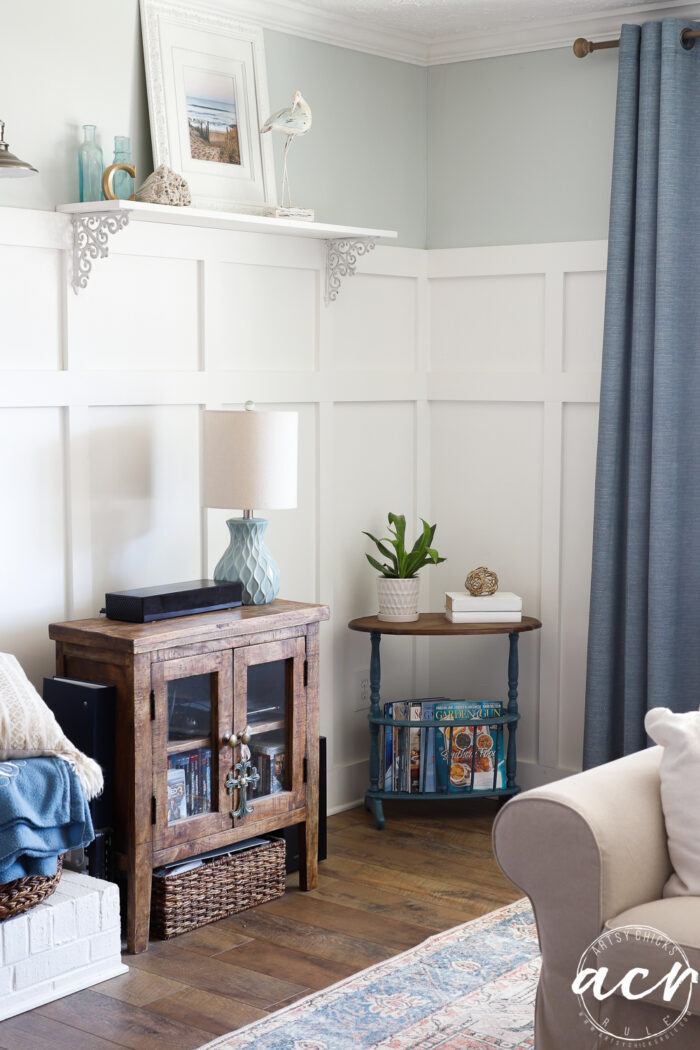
(398, 599)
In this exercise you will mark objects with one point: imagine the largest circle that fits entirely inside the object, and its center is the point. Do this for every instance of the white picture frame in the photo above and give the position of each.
(207, 100)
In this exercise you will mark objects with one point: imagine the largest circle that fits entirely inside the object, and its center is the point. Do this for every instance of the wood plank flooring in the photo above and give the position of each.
(379, 893)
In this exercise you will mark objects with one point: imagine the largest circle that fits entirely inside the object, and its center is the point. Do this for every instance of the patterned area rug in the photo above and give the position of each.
(470, 988)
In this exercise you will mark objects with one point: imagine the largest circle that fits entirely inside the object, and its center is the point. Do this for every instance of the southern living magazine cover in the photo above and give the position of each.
(487, 759)
(400, 748)
(414, 747)
(388, 749)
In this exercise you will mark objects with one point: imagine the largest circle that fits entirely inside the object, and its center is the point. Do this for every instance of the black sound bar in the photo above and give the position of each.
(172, 599)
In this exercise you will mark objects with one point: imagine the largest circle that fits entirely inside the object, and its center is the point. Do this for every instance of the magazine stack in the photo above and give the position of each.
(461, 754)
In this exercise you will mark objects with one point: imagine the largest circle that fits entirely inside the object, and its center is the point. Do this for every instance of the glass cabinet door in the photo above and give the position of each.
(192, 699)
(270, 711)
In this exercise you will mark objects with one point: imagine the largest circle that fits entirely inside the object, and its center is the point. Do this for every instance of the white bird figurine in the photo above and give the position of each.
(296, 120)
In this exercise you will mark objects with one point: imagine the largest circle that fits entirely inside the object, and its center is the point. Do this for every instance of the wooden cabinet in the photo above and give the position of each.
(216, 737)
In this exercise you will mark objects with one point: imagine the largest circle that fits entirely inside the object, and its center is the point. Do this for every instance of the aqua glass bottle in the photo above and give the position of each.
(90, 166)
(122, 184)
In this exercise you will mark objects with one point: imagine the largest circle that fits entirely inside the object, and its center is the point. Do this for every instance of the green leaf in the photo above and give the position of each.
(381, 569)
(423, 542)
(371, 536)
(381, 546)
(414, 561)
(397, 526)
(399, 523)
(434, 556)
(418, 547)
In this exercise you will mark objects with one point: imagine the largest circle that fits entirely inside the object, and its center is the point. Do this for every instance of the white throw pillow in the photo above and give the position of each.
(679, 735)
(28, 727)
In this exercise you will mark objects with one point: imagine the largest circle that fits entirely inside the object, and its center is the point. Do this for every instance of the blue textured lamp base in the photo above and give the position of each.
(247, 559)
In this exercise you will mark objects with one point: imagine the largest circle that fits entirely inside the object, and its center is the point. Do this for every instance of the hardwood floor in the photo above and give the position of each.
(379, 893)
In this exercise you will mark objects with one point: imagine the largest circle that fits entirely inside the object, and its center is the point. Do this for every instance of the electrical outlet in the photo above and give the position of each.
(362, 691)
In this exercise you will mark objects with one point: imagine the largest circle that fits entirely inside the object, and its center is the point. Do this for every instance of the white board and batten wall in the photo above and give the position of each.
(460, 385)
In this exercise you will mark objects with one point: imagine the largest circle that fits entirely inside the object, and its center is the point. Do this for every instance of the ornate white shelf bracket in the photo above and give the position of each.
(341, 259)
(91, 233)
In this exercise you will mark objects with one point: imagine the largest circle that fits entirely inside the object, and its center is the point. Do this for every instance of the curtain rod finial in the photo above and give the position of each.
(582, 47)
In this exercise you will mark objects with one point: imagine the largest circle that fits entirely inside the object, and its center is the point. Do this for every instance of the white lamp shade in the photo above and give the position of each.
(250, 460)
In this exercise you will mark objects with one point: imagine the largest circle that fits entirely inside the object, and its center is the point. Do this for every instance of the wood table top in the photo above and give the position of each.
(437, 623)
(159, 634)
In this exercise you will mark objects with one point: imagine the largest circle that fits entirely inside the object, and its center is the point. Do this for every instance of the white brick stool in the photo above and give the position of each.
(69, 942)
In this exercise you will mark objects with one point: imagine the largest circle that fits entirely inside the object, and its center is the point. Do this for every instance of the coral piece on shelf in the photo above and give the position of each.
(165, 186)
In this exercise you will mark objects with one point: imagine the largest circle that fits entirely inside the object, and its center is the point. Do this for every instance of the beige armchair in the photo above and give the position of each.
(590, 852)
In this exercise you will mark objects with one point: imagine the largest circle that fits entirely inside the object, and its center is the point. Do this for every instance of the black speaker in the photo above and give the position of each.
(291, 834)
(145, 604)
(85, 713)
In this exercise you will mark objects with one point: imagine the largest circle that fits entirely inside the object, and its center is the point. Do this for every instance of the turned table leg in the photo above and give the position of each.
(374, 804)
(512, 707)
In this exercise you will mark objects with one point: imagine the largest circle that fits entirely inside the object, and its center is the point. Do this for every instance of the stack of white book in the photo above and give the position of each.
(501, 607)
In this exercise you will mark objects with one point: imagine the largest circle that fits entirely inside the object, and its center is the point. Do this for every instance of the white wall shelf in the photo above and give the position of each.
(94, 222)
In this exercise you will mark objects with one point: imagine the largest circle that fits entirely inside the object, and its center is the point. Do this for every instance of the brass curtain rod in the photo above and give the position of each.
(583, 47)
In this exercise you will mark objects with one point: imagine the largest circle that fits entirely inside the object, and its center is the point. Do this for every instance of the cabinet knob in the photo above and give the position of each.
(226, 739)
(242, 736)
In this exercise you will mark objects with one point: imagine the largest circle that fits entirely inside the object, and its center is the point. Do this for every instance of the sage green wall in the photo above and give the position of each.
(498, 151)
(364, 161)
(520, 149)
(63, 65)
(68, 64)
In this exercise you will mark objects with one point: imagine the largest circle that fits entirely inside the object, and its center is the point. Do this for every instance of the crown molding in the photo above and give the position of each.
(301, 18)
(548, 35)
(314, 21)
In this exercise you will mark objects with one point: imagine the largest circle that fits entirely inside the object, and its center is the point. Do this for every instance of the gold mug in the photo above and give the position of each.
(108, 179)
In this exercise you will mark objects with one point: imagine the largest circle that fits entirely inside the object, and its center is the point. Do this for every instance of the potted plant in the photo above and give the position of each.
(398, 582)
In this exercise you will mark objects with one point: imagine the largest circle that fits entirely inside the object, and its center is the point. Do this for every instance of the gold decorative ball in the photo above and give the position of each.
(481, 582)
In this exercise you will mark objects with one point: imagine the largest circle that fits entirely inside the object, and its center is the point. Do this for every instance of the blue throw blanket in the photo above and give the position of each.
(43, 812)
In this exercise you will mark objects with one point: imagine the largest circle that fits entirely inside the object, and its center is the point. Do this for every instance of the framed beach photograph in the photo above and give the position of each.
(207, 99)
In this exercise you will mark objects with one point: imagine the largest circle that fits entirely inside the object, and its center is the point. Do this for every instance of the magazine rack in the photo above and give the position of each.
(437, 624)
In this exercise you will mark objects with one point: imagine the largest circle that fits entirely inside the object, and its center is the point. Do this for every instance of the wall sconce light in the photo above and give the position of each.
(10, 166)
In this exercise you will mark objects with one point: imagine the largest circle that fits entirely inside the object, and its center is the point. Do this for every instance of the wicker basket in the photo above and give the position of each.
(23, 894)
(219, 887)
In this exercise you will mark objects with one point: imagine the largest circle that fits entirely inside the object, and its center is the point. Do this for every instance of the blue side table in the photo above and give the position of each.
(438, 624)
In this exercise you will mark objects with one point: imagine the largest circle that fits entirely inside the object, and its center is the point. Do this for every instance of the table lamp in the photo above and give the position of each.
(250, 460)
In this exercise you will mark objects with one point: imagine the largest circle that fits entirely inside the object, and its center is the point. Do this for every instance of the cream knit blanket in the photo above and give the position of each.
(28, 727)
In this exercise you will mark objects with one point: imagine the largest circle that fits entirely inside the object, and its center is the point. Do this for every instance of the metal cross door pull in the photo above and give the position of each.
(242, 776)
